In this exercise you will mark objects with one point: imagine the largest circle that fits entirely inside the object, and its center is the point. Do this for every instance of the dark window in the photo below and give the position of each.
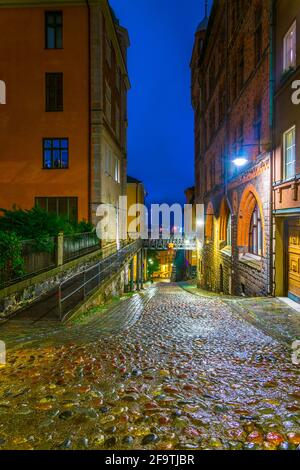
(54, 27)
(54, 92)
(233, 80)
(256, 233)
(241, 66)
(55, 153)
(258, 123)
(258, 34)
(66, 207)
(240, 137)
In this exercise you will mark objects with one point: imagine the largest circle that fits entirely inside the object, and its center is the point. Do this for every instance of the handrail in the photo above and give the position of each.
(107, 264)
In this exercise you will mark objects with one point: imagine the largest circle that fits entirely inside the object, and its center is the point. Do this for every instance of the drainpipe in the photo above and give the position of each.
(227, 153)
(90, 117)
(272, 130)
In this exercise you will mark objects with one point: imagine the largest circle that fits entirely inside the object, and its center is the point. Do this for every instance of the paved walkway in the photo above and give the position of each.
(166, 370)
(270, 315)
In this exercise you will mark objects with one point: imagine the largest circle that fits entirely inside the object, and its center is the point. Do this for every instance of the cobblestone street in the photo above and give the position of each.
(162, 370)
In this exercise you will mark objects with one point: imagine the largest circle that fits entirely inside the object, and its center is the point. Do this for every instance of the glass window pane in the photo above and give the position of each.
(52, 206)
(47, 144)
(64, 158)
(56, 158)
(47, 158)
(64, 143)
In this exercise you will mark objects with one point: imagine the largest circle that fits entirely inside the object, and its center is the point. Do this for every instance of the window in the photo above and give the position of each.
(55, 153)
(108, 101)
(117, 121)
(289, 144)
(54, 92)
(240, 73)
(240, 137)
(66, 207)
(228, 231)
(256, 234)
(258, 122)
(289, 48)
(233, 80)
(112, 164)
(54, 29)
(258, 34)
(108, 51)
(118, 79)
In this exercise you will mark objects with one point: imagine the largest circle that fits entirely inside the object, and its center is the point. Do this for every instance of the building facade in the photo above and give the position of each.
(63, 126)
(190, 256)
(231, 100)
(286, 167)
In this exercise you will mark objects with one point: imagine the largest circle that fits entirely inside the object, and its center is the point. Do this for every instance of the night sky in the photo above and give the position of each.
(160, 134)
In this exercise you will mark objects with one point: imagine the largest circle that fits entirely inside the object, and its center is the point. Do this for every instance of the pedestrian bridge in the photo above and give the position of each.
(171, 243)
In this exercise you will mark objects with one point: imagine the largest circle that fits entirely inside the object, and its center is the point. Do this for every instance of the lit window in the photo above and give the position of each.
(55, 154)
(289, 144)
(289, 48)
(54, 27)
(256, 233)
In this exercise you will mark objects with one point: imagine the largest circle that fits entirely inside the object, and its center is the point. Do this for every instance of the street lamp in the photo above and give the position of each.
(240, 161)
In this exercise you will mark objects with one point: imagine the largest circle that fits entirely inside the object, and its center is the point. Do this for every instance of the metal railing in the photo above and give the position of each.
(35, 261)
(74, 290)
(79, 244)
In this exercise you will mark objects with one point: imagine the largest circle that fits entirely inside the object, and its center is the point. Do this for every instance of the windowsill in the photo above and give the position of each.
(45, 168)
(251, 260)
(293, 179)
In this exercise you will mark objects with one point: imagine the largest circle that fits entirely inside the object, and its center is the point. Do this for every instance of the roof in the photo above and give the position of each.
(202, 26)
(130, 179)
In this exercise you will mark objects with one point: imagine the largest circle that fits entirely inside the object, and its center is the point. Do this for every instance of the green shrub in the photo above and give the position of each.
(11, 253)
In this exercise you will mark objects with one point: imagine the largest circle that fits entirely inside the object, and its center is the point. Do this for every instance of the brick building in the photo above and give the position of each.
(63, 126)
(286, 168)
(231, 100)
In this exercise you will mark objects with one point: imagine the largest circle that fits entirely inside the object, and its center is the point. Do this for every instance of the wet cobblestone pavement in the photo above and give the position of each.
(165, 370)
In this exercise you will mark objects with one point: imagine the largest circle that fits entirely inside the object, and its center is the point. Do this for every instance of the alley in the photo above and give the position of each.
(161, 370)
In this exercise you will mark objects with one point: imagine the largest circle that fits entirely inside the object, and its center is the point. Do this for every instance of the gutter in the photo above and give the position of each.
(272, 130)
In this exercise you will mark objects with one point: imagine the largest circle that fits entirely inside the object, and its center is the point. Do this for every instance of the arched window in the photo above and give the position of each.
(228, 231)
(209, 222)
(256, 233)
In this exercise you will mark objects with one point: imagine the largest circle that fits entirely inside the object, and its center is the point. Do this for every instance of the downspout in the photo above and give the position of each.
(227, 153)
(272, 129)
(90, 215)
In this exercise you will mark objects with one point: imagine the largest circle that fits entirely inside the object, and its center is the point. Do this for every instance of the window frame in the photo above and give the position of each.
(287, 66)
(60, 148)
(57, 199)
(54, 12)
(285, 148)
(59, 90)
(108, 102)
(255, 239)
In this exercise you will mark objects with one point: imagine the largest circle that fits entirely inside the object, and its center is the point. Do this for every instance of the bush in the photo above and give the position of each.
(11, 254)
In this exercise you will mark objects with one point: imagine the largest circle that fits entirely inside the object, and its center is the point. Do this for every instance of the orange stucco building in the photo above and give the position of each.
(63, 126)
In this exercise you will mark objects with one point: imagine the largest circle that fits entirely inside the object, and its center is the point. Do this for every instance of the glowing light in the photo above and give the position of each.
(240, 161)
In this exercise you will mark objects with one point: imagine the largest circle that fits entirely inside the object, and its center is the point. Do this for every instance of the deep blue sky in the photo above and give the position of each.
(160, 134)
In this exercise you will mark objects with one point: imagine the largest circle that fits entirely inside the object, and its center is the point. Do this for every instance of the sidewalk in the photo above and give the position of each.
(271, 315)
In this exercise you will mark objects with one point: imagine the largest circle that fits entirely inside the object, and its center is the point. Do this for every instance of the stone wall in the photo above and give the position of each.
(22, 294)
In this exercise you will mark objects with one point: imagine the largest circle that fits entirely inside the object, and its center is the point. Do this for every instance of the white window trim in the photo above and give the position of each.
(287, 65)
(293, 128)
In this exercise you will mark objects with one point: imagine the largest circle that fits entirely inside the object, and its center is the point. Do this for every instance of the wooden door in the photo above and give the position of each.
(294, 258)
